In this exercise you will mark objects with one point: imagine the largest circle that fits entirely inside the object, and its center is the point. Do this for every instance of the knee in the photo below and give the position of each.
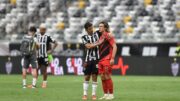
(87, 78)
(23, 74)
(94, 78)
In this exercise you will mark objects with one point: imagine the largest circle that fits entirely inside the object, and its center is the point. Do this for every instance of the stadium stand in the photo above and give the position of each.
(129, 20)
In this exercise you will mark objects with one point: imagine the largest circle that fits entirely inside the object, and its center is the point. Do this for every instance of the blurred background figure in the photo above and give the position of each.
(175, 67)
(175, 64)
(9, 66)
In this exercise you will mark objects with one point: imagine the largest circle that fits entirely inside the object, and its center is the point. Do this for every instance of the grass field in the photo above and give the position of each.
(69, 88)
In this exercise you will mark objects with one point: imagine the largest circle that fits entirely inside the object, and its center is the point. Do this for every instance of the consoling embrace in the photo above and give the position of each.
(100, 47)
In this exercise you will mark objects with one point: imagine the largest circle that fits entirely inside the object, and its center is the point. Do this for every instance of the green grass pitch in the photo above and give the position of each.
(69, 88)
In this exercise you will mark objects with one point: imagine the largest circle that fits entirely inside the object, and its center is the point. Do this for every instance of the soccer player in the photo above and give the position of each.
(107, 51)
(91, 60)
(42, 57)
(50, 60)
(29, 56)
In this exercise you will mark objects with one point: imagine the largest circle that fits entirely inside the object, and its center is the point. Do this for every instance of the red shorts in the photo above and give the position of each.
(104, 67)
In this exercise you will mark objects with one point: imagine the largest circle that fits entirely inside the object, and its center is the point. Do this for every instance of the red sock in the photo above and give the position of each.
(109, 83)
(104, 85)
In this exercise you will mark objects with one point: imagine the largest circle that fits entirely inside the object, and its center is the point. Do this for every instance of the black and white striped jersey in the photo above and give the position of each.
(44, 42)
(91, 54)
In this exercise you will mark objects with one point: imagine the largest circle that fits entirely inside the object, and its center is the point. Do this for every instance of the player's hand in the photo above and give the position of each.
(112, 62)
(89, 46)
(49, 51)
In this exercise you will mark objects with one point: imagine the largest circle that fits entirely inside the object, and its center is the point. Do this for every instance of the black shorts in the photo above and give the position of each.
(91, 68)
(27, 60)
(43, 61)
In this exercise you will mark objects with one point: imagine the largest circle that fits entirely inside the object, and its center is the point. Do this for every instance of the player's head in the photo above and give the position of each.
(88, 27)
(175, 60)
(103, 27)
(32, 30)
(42, 29)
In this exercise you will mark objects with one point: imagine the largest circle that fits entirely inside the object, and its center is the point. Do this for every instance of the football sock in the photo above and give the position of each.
(44, 82)
(109, 86)
(104, 85)
(34, 82)
(94, 87)
(85, 87)
(24, 82)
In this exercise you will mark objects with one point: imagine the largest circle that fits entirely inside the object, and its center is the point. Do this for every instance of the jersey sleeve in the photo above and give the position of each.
(98, 33)
(50, 39)
(110, 39)
(84, 40)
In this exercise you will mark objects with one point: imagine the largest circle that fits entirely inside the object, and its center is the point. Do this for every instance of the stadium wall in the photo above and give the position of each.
(123, 65)
(131, 59)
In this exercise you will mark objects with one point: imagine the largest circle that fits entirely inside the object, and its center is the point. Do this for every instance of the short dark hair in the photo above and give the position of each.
(87, 25)
(32, 29)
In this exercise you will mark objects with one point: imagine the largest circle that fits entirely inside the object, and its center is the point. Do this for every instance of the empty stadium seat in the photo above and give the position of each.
(138, 17)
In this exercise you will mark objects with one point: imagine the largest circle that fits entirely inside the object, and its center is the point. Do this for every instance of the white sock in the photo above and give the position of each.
(105, 94)
(44, 82)
(24, 82)
(85, 87)
(111, 95)
(94, 87)
(34, 82)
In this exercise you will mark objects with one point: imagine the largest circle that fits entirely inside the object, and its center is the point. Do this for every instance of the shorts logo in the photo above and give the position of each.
(46, 59)
(96, 65)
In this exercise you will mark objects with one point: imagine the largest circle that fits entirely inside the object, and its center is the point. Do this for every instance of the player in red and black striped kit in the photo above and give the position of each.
(107, 49)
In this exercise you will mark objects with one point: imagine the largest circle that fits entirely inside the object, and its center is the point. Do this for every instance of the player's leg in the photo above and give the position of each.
(34, 70)
(24, 77)
(25, 65)
(39, 66)
(94, 79)
(34, 80)
(86, 81)
(94, 86)
(44, 72)
(43, 63)
(38, 69)
(85, 86)
(104, 85)
(109, 82)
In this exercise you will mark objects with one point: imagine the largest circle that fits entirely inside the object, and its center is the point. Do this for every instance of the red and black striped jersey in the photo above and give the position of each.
(105, 49)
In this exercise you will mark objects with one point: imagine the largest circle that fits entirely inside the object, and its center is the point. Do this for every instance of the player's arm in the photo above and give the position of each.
(114, 46)
(37, 45)
(113, 53)
(92, 45)
(88, 45)
(55, 45)
(54, 42)
(85, 42)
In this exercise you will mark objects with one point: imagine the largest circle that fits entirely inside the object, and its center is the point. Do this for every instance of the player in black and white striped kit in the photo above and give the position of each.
(91, 60)
(44, 41)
